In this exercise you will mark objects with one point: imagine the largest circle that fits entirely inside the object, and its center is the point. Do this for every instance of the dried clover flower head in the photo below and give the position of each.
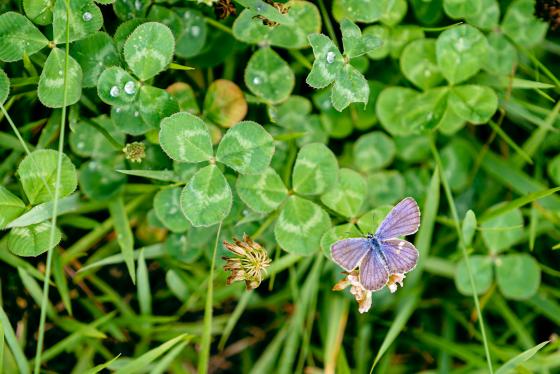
(549, 10)
(249, 264)
(361, 294)
(135, 151)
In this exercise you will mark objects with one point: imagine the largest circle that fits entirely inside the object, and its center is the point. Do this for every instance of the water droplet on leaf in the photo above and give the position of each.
(195, 31)
(114, 92)
(87, 16)
(257, 80)
(136, 114)
(130, 88)
(330, 57)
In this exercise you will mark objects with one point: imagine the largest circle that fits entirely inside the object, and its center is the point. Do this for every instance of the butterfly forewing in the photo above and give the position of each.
(403, 219)
(400, 255)
(349, 252)
(373, 272)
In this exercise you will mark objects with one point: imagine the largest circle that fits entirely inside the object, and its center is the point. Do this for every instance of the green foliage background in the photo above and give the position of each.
(298, 123)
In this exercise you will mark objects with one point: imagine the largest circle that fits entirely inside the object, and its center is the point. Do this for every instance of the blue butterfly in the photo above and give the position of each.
(382, 254)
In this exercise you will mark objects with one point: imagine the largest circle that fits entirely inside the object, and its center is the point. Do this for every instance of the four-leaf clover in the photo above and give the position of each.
(330, 65)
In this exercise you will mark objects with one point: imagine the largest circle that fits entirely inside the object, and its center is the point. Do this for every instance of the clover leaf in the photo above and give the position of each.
(330, 65)
(149, 49)
(19, 37)
(246, 148)
(4, 86)
(300, 226)
(263, 192)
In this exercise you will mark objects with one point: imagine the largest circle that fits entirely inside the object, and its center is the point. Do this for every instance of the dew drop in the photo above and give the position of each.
(257, 80)
(138, 5)
(330, 57)
(195, 31)
(136, 114)
(130, 88)
(114, 92)
(80, 145)
(87, 16)
(118, 110)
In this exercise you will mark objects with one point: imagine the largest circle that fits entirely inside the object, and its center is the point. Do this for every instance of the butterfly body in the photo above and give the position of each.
(382, 254)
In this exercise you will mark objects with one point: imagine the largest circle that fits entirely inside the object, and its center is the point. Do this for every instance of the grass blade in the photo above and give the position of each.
(144, 292)
(337, 318)
(502, 134)
(517, 203)
(232, 321)
(100, 367)
(164, 363)
(207, 331)
(61, 282)
(124, 234)
(405, 311)
(522, 357)
(514, 179)
(43, 212)
(455, 216)
(297, 321)
(142, 362)
(150, 252)
(11, 339)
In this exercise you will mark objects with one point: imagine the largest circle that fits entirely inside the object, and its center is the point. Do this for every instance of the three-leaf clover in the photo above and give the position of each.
(330, 65)
(137, 106)
(456, 57)
(246, 148)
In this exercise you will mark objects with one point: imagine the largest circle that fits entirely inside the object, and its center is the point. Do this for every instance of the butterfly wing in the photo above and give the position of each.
(373, 271)
(349, 252)
(400, 255)
(403, 219)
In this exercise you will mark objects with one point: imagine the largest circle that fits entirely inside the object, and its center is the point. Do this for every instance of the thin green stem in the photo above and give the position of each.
(455, 216)
(52, 243)
(328, 23)
(218, 25)
(16, 131)
(265, 225)
(442, 28)
(207, 331)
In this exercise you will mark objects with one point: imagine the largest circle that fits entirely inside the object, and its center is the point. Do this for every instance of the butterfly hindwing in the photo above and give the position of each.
(403, 219)
(373, 271)
(400, 255)
(349, 252)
